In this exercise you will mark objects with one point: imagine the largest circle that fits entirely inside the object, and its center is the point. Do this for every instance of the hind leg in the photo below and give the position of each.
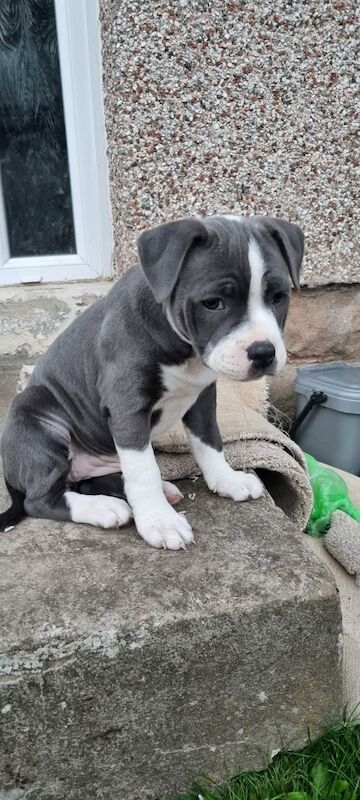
(93, 508)
(36, 454)
(61, 503)
(99, 501)
(113, 485)
(98, 509)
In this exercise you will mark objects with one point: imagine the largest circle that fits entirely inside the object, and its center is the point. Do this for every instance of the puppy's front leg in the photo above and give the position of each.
(206, 445)
(155, 519)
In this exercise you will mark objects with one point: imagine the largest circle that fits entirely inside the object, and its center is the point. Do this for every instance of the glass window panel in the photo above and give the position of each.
(33, 155)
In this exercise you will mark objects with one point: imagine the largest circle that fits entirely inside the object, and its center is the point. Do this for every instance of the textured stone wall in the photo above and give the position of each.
(324, 325)
(241, 106)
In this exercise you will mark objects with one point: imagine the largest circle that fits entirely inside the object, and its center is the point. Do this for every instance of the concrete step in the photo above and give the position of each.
(126, 672)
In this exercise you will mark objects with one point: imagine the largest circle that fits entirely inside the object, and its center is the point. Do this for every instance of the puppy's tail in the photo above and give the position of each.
(16, 511)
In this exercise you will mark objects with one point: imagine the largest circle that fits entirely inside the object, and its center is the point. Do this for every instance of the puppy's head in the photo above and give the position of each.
(224, 282)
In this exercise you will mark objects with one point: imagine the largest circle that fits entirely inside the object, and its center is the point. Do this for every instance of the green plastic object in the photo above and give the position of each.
(330, 494)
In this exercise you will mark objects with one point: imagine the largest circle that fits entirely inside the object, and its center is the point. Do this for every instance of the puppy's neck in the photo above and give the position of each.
(171, 343)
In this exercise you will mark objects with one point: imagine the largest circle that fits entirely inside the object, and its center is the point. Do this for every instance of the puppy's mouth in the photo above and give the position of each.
(260, 372)
(247, 371)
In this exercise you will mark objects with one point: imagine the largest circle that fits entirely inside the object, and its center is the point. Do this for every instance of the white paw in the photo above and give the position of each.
(172, 493)
(108, 512)
(239, 486)
(166, 529)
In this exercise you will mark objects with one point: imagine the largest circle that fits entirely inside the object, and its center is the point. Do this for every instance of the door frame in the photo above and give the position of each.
(79, 44)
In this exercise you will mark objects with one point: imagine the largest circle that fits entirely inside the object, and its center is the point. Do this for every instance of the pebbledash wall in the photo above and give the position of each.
(235, 106)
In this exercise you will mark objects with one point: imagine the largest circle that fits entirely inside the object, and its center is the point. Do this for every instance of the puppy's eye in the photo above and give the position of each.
(213, 304)
(278, 297)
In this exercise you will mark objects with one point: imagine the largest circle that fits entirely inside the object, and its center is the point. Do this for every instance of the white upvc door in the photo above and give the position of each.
(81, 247)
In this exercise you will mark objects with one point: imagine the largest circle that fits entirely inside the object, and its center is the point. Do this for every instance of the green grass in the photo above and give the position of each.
(327, 769)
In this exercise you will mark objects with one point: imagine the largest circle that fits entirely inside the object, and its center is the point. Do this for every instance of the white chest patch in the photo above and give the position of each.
(183, 385)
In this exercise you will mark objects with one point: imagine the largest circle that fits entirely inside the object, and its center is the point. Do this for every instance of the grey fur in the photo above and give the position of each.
(201, 418)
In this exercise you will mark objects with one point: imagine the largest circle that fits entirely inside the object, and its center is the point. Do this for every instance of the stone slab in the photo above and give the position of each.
(126, 672)
(324, 325)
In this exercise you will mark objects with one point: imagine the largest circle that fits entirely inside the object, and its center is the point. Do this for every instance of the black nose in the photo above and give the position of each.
(262, 354)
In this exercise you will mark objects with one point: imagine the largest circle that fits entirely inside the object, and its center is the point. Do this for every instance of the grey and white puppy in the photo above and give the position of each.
(209, 298)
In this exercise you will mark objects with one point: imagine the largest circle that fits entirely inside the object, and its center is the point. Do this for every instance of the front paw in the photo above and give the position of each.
(166, 529)
(238, 486)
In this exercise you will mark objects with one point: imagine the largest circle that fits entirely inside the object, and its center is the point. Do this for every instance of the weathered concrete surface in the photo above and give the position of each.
(32, 316)
(127, 672)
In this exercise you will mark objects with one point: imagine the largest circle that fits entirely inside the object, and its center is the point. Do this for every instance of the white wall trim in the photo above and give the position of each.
(79, 39)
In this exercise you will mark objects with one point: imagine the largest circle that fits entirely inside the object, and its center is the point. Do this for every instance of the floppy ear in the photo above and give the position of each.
(290, 241)
(163, 250)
